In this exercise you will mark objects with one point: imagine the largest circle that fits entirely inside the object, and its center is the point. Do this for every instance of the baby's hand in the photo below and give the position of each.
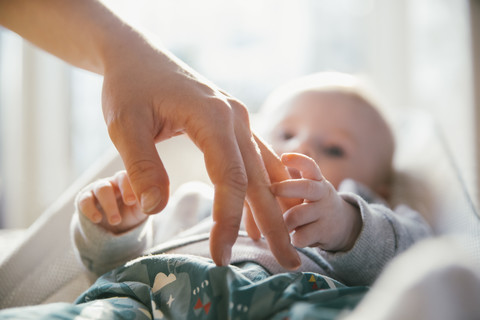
(324, 219)
(111, 204)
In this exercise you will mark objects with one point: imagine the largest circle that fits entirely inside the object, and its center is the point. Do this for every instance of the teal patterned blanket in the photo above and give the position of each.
(190, 287)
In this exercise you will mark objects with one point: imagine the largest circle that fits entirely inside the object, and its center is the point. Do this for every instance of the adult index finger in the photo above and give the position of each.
(226, 171)
(265, 207)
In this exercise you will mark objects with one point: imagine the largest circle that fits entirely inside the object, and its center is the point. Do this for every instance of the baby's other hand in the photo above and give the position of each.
(111, 204)
(324, 219)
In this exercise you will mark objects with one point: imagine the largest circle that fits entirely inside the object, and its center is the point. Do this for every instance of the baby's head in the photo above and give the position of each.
(328, 117)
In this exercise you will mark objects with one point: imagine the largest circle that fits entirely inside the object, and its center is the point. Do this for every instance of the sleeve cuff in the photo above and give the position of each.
(100, 250)
(373, 248)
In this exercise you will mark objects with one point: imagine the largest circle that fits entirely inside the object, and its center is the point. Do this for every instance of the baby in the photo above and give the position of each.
(326, 118)
(339, 150)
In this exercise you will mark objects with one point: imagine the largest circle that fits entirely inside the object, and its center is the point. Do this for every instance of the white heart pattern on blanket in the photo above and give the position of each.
(161, 280)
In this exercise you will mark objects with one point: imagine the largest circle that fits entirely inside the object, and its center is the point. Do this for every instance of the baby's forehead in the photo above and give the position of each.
(334, 103)
(337, 103)
(343, 110)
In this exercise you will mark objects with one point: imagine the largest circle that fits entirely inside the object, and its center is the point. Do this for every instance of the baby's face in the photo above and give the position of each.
(342, 133)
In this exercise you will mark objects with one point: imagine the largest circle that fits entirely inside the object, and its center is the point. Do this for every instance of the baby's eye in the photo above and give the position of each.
(334, 151)
(286, 135)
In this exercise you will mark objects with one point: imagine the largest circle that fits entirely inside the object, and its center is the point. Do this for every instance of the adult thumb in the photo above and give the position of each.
(144, 168)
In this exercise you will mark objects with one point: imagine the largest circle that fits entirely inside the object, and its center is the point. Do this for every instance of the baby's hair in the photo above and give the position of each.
(335, 82)
(354, 86)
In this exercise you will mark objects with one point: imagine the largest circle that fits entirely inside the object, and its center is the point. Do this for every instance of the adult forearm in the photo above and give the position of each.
(84, 33)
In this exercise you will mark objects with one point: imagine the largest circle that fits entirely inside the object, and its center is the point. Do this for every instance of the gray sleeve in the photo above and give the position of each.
(101, 251)
(385, 234)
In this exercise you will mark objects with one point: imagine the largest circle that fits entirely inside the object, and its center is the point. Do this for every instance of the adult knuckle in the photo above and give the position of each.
(119, 121)
(220, 108)
(139, 168)
(237, 178)
(240, 110)
(232, 225)
(115, 121)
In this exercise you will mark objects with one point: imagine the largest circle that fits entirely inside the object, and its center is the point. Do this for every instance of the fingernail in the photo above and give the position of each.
(130, 200)
(150, 199)
(114, 220)
(97, 218)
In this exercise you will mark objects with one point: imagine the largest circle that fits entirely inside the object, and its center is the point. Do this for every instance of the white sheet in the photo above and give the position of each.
(436, 279)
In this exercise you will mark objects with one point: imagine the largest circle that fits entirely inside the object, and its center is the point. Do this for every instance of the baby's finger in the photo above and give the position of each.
(123, 183)
(309, 190)
(86, 206)
(306, 236)
(306, 165)
(105, 193)
(300, 215)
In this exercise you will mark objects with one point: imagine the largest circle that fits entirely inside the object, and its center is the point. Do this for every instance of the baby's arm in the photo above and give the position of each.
(323, 219)
(108, 227)
(104, 242)
(111, 204)
(378, 237)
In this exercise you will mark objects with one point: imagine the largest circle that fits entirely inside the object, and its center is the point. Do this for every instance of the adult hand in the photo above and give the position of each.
(149, 96)
(277, 172)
